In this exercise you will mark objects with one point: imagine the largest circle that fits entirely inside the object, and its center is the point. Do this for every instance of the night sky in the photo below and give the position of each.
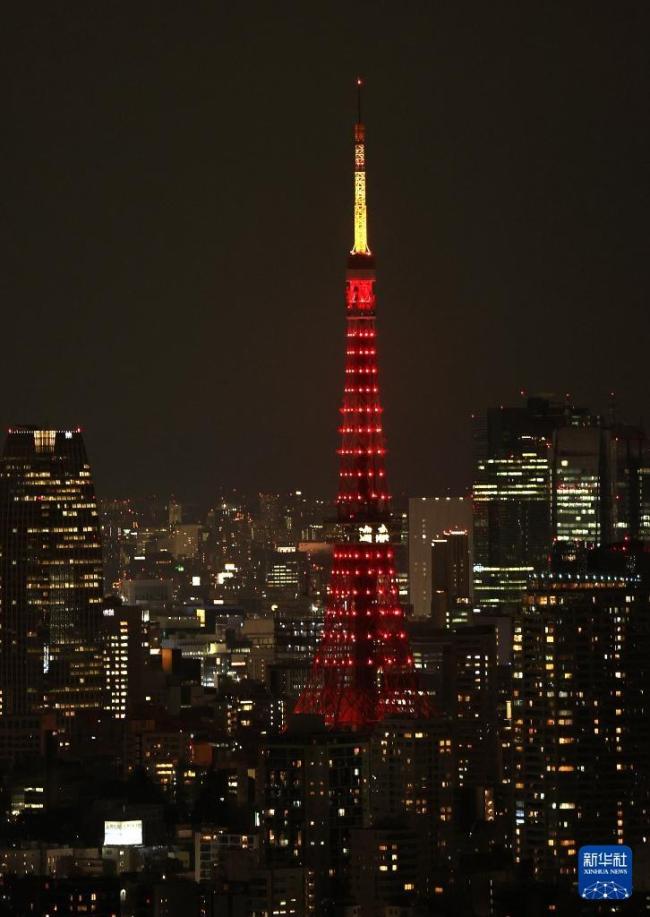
(177, 208)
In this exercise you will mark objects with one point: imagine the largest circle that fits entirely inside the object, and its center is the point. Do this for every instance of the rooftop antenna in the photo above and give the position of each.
(360, 246)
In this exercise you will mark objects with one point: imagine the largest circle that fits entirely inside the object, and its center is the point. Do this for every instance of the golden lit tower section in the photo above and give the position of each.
(360, 210)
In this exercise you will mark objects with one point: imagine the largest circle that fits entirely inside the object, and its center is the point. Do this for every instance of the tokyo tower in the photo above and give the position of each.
(363, 669)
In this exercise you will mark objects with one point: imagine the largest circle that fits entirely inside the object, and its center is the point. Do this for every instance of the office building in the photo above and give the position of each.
(546, 472)
(582, 484)
(50, 577)
(285, 571)
(126, 649)
(580, 709)
(512, 499)
(597, 481)
(629, 457)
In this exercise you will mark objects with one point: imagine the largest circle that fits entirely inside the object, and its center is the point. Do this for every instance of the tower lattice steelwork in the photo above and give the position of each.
(363, 670)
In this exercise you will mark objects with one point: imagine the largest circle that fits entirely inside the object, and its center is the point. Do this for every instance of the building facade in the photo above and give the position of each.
(428, 518)
(125, 640)
(580, 711)
(324, 796)
(546, 472)
(451, 578)
(51, 584)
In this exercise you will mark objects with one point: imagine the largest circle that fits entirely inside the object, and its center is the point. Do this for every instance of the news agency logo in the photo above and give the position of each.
(605, 872)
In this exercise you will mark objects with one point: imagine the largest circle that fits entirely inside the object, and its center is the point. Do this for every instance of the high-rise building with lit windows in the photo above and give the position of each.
(317, 790)
(458, 668)
(644, 502)
(546, 472)
(285, 571)
(582, 484)
(598, 481)
(580, 708)
(50, 577)
(512, 499)
(125, 641)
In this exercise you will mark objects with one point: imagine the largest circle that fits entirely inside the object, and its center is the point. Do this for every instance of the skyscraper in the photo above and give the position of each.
(644, 501)
(549, 471)
(363, 670)
(629, 449)
(50, 577)
(580, 708)
(512, 499)
(125, 647)
(582, 484)
(597, 481)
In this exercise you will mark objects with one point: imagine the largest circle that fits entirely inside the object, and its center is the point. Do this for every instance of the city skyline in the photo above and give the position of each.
(231, 679)
(145, 230)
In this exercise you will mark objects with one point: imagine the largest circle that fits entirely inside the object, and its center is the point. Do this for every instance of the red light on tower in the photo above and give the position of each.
(363, 670)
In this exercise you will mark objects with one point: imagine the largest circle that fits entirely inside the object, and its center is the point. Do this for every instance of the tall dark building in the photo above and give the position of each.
(596, 480)
(119, 530)
(50, 578)
(580, 708)
(512, 499)
(125, 632)
(324, 797)
(458, 667)
(629, 459)
(546, 472)
(450, 578)
(583, 483)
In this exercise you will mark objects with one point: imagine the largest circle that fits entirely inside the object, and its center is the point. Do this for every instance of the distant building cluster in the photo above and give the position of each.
(153, 654)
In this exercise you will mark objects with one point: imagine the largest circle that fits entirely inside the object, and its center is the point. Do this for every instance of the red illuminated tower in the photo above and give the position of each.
(363, 670)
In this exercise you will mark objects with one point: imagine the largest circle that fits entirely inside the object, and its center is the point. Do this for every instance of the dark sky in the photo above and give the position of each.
(176, 211)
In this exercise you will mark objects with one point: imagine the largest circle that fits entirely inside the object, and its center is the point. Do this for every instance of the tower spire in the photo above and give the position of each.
(360, 246)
